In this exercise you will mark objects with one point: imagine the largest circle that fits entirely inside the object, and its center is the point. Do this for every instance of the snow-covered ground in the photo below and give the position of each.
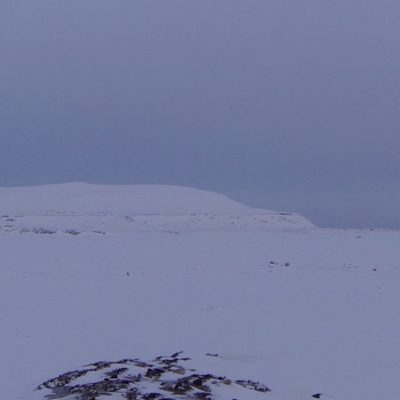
(103, 273)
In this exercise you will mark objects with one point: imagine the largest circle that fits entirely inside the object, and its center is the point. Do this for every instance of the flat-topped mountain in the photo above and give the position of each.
(82, 198)
(82, 207)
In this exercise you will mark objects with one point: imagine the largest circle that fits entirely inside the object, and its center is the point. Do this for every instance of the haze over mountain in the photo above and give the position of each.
(280, 104)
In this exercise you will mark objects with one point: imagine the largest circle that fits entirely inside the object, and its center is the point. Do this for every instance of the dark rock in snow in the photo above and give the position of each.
(133, 379)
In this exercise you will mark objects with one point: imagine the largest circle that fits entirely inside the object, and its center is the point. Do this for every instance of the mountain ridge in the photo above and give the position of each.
(161, 206)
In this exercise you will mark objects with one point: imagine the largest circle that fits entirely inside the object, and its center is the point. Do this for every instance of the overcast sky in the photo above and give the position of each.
(282, 104)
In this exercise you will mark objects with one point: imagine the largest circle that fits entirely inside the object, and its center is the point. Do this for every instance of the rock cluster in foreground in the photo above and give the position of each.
(165, 378)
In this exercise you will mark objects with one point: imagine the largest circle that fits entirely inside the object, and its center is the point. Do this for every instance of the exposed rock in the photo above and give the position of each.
(134, 379)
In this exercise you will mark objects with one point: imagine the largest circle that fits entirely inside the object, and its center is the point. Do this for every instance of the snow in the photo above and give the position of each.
(78, 208)
(79, 198)
(301, 309)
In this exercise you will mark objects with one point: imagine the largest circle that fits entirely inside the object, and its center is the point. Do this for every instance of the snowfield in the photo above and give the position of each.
(133, 275)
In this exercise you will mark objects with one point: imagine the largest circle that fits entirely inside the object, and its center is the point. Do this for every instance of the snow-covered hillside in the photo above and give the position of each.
(79, 208)
(84, 198)
(99, 282)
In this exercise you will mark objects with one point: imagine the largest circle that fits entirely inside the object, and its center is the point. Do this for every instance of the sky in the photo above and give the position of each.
(282, 104)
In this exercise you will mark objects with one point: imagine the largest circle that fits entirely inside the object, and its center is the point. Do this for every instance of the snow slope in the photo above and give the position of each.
(300, 309)
(83, 198)
(83, 208)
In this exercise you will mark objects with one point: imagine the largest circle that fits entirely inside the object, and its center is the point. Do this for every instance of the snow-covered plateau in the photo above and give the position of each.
(162, 292)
